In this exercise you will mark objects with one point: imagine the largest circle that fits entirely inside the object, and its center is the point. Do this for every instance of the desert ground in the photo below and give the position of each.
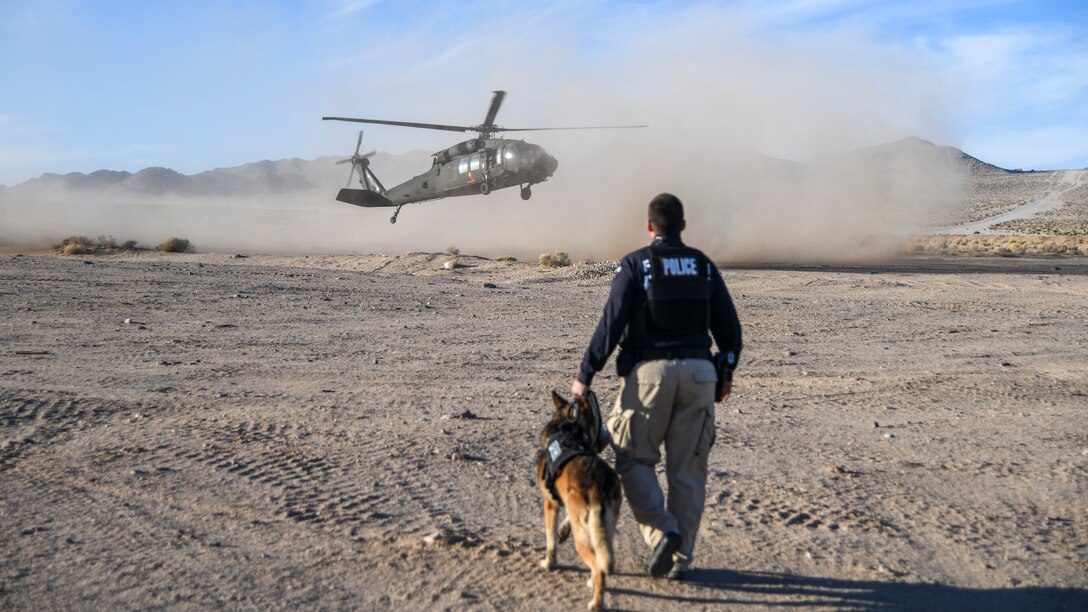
(193, 431)
(202, 430)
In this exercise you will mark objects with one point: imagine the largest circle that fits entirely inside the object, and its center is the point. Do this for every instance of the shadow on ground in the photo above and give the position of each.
(760, 589)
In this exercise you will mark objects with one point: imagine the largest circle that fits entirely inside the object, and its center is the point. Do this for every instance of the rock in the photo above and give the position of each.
(457, 456)
(128, 321)
(490, 286)
(789, 353)
(449, 265)
(434, 538)
(889, 435)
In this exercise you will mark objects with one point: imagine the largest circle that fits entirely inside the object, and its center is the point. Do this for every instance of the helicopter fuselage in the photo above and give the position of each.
(474, 167)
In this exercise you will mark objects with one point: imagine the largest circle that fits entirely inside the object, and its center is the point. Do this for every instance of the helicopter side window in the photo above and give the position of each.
(462, 166)
(508, 152)
(474, 162)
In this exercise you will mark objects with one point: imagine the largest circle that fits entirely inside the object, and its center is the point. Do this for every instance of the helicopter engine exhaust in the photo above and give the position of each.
(461, 148)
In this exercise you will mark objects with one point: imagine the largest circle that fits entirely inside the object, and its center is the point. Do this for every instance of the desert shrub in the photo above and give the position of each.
(74, 245)
(507, 258)
(453, 251)
(129, 245)
(558, 259)
(107, 242)
(175, 245)
(1004, 252)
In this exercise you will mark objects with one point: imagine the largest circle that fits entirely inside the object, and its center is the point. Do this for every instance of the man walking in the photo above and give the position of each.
(663, 301)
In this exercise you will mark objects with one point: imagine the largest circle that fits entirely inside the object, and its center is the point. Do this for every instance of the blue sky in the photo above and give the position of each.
(198, 85)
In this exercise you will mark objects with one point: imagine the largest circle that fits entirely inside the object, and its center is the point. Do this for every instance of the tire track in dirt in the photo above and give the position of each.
(30, 423)
(322, 492)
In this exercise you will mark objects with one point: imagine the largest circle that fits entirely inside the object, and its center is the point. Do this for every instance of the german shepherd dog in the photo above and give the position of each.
(590, 491)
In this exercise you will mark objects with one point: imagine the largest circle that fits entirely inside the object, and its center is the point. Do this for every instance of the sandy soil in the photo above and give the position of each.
(197, 431)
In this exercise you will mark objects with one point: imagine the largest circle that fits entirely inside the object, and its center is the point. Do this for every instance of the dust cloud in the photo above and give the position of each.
(771, 144)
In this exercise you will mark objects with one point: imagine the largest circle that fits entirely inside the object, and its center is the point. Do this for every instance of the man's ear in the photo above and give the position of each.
(649, 226)
(683, 225)
(558, 400)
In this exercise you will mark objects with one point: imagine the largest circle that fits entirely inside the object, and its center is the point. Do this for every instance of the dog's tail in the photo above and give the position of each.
(602, 524)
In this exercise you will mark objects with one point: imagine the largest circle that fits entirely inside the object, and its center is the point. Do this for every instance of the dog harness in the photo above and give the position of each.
(566, 444)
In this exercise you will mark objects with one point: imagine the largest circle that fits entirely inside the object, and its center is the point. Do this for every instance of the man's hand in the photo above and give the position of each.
(726, 389)
(578, 389)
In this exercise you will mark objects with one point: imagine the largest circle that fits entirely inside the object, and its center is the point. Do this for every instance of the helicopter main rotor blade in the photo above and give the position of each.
(425, 126)
(595, 127)
(496, 102)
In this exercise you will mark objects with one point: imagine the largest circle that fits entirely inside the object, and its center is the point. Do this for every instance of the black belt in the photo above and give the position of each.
(678, 352)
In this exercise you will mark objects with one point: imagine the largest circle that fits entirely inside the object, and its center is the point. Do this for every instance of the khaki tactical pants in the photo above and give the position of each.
(668, 401)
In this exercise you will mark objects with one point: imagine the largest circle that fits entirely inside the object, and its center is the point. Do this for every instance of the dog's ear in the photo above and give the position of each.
(558, 400)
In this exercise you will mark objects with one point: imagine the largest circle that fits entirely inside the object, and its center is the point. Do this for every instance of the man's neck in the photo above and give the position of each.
(667, 238)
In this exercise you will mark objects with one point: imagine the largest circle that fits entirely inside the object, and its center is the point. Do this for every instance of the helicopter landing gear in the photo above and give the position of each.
(393, 219)
(485, 188)
(526, 192)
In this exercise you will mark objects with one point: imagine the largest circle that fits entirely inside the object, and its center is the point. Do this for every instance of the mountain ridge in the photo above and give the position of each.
(295, 175)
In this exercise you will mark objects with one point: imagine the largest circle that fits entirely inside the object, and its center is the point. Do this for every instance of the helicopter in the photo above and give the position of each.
(476, 166)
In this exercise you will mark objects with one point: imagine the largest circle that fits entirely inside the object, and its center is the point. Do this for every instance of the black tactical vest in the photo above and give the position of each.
(673, 310)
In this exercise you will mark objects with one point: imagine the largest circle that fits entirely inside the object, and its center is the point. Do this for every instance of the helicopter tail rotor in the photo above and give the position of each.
(359, 161)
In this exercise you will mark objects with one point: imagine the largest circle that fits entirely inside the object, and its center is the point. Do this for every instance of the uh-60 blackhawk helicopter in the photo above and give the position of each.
(477, 166)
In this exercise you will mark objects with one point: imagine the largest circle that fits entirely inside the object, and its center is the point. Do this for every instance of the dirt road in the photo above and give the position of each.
(1051, 200)
(198, 431)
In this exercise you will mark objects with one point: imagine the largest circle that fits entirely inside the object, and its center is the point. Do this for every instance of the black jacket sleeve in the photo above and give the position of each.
(613, 321)
(724, 323)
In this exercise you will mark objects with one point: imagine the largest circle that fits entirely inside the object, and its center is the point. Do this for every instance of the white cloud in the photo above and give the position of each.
(350, 8)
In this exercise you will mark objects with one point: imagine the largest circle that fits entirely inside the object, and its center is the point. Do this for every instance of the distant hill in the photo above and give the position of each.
(887, 155)
(297, 176)
(286, 176)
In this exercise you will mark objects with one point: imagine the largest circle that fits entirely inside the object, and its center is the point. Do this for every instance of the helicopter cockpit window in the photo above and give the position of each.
(474, 162)
(462, 166)
(508, 152)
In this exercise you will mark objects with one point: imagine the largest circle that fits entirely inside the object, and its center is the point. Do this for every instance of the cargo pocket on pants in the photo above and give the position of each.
(708, 435)
(619, 425)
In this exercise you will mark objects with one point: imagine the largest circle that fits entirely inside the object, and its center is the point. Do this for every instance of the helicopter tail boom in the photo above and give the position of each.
(364, 197)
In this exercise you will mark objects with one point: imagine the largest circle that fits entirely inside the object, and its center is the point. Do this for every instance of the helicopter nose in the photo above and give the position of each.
(548, 164)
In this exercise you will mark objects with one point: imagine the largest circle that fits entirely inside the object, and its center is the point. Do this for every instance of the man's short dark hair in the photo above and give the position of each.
(667, 214)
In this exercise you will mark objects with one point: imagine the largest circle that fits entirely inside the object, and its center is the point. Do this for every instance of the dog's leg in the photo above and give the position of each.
(564, 528)
(551, 519)
(585, 551)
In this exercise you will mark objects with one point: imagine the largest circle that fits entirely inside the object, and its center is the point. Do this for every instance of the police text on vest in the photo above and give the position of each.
(679, 266)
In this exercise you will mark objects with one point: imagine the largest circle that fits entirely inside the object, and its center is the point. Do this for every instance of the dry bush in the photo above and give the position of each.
(453, 251)
(74, 245)
(175, 245)
(106, 243)
(1001, 246)
(507, 258)
(129, 245)
(558, 259)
